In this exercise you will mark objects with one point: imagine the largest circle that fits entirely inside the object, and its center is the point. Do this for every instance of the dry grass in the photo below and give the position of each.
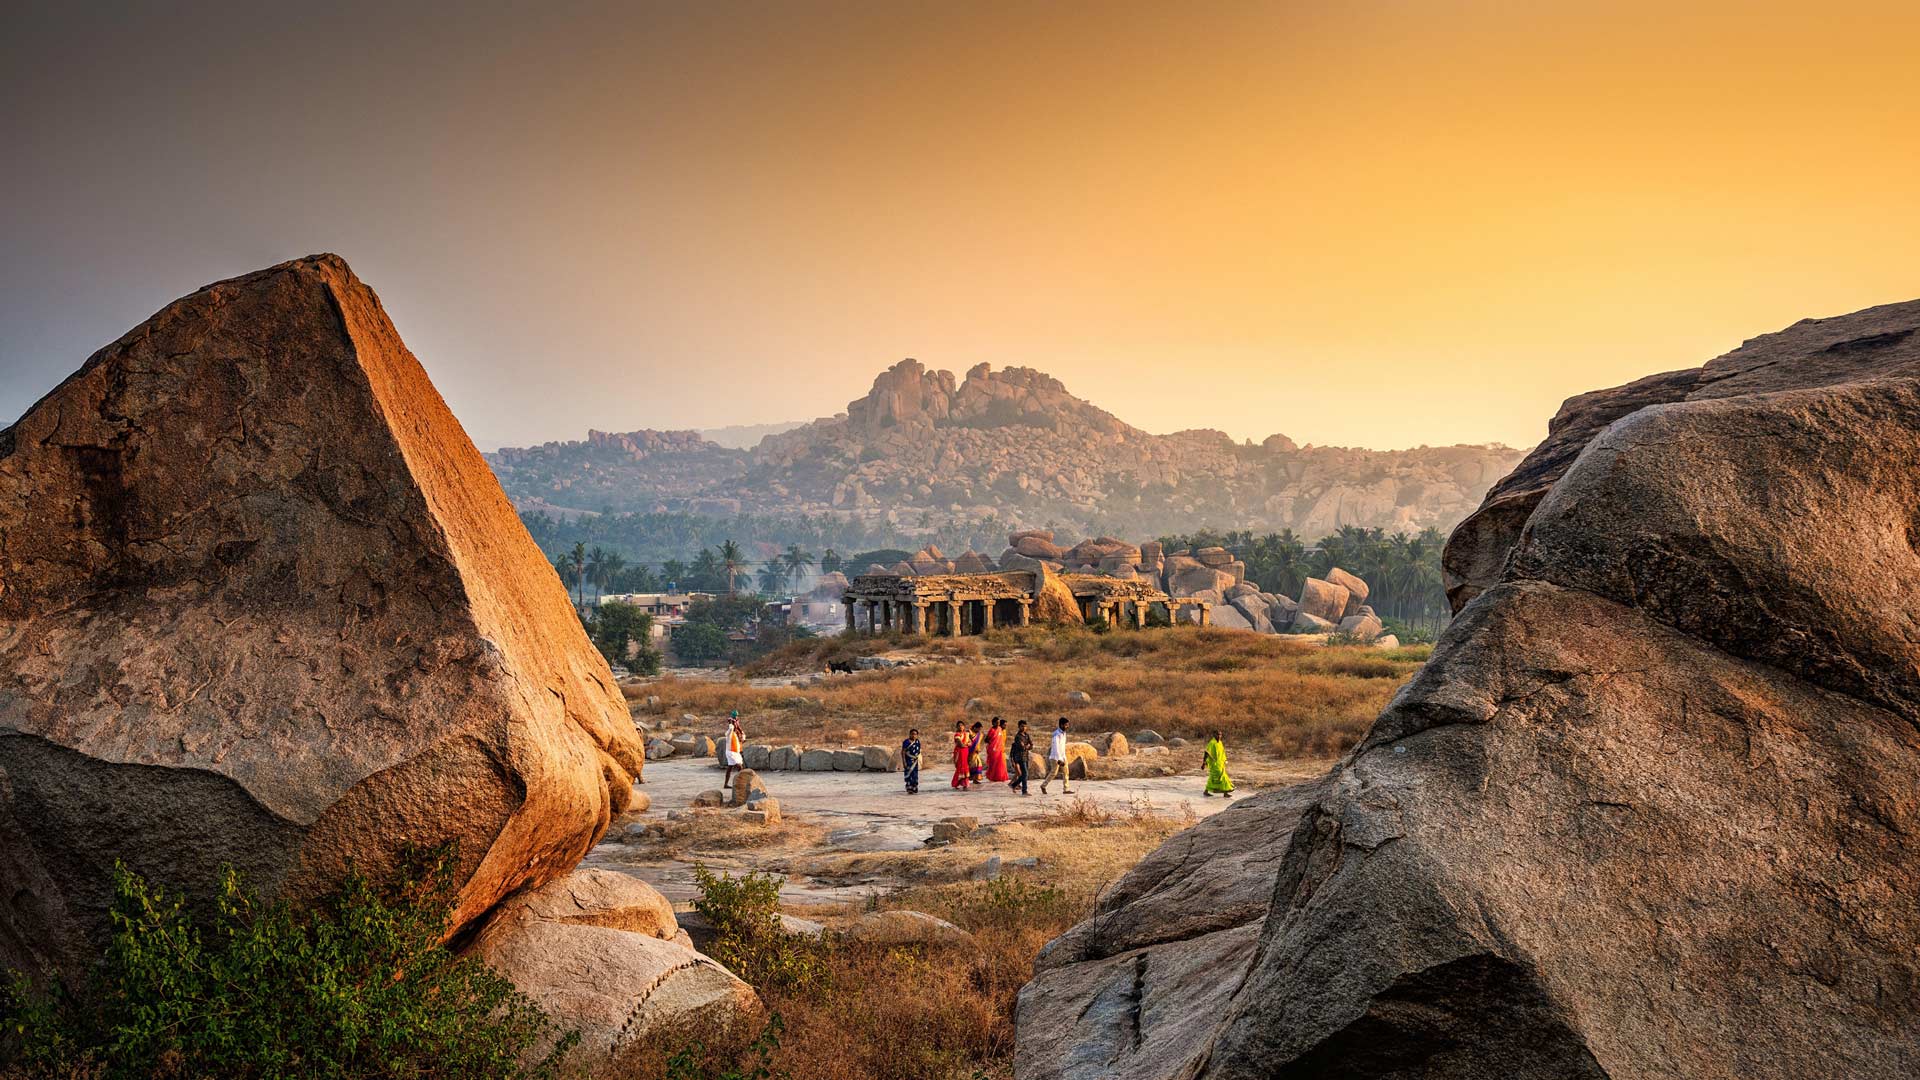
(1288, 697)
(915, 1014)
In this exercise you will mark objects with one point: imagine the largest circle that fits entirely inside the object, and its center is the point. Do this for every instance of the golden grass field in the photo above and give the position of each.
(1271, 693)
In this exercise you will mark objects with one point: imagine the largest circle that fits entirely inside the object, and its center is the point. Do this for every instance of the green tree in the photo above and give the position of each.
(732, 562)
(624, 635)
(675, 572)
(797, 561)
(577, 563)
(830, 561)
(696, 642)
(773, 579)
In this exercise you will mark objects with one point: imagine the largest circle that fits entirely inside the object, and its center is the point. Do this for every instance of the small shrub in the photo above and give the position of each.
(748, 936)
(357, 986)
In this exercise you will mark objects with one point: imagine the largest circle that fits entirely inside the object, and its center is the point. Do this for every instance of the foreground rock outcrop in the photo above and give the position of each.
(263, 604)
(602, 954)
(1648, 811)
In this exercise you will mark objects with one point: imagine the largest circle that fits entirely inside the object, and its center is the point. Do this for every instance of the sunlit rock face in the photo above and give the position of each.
(1649, 811)
(264, 605)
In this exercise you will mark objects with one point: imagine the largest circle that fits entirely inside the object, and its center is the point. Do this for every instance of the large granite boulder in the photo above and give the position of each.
(1648, 811)
(1876, 342)
(264, 605)
(601, 953)
(1323, 600)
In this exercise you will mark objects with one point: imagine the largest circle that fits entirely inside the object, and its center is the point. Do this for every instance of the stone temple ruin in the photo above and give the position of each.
(1102, 579)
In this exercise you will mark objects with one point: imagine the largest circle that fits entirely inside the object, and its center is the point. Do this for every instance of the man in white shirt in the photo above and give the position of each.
(1057, 759)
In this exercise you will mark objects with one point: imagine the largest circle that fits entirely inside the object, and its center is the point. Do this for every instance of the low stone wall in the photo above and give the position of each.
(792, 758)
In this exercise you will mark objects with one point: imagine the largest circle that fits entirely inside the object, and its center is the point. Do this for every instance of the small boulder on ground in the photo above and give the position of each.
(1079, 697)
(877, 758)
(745, 783)
(763, 811)
(715, 797)
(907, 928)
(1110, 744)
(947, 830)
(1306, 622)
(1323, 600)
(659, 749)
(1361, 627)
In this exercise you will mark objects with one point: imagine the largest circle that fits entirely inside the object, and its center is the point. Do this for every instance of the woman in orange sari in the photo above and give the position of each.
(962, 744)
(997, 751)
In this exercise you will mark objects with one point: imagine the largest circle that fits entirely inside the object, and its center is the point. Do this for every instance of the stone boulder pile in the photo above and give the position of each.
(263, 605)
(1649, 809)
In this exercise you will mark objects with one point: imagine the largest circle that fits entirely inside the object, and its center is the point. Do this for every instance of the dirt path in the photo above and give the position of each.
(851, 813)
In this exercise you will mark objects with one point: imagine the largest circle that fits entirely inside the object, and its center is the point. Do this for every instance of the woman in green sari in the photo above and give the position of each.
(1217, 778)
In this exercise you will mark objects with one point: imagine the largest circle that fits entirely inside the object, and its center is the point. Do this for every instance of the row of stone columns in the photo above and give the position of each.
(949, 618)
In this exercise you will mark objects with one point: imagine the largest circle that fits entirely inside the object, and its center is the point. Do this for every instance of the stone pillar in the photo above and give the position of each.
(1204, 606)
(986, 615)
(953, 618)
(917, 618)
(872, 605)
(849, 602)
(886, 614)
(1026, 612)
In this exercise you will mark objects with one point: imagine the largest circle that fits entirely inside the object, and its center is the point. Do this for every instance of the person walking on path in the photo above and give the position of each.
(976, 755)
(910, 761)
(1022, 754)
(733, 754)
(1057, 759)
(997, 751)
(961, 743)
(1217, 778)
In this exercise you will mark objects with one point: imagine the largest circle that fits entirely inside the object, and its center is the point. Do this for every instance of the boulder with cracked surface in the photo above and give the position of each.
(601, 953)
(1647, 811)
(265, 606)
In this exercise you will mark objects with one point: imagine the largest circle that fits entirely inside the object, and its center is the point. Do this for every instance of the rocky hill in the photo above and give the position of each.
(1012, 445)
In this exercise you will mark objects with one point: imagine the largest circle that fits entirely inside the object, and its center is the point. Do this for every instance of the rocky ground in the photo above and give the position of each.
(833, 822)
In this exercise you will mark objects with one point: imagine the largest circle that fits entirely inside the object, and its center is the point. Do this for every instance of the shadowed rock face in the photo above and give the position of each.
(1648, 812)
(263, 604)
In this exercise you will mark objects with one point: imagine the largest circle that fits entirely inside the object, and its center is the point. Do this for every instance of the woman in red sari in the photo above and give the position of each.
(962, 744)
(997, 751)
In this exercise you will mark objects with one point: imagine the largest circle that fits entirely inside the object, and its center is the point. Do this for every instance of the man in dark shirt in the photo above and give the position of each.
(1022, 753)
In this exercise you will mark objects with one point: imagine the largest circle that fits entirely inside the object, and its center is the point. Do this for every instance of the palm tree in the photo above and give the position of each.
(773, 578)
(597, 569)
(675, 572)
(706, 568)
(796, 562)
(732, 561)
(611, 563)
(577, 562)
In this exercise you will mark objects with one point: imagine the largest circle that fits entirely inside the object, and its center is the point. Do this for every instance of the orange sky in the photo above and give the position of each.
(1369, 224)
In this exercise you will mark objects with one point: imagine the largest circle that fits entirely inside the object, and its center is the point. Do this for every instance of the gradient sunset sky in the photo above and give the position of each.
(1374, 224)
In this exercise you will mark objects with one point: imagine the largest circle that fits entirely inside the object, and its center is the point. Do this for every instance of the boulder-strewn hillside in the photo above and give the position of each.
(1013, 445)
(1647, 812)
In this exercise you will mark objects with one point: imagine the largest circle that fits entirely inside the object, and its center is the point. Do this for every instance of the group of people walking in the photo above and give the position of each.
(991, 754)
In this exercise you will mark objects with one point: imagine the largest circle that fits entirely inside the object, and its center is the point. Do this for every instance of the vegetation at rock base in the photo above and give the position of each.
(357, 985)
(901, 1012)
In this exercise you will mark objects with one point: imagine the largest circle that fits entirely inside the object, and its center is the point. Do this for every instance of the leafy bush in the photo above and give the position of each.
(748, 936)
(357, 986)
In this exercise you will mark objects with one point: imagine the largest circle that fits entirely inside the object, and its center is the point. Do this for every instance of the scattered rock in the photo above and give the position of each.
(715, 797)
(746, 783)
(986, 871)
(784, 759)
(1151, 750)
(849, 761)
(265, 606)
(816, 760)
(763, 811)
(659, 749)
(1079, 697)
(947, 830)
(1148, 737)
(1110, 744)
(1305, 622)
(756, 756)
(975, 704)
(1361, 627)
(878, 759)
(1386, 641)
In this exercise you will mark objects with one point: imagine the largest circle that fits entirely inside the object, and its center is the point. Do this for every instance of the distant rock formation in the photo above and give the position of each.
(263, 605)
(1010, 444)
(1649, 810)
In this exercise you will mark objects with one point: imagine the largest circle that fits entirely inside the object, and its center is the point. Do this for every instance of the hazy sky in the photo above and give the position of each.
(1377, 224)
